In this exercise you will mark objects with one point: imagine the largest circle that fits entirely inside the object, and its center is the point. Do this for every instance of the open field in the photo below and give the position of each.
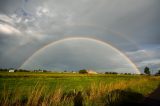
(56, 89)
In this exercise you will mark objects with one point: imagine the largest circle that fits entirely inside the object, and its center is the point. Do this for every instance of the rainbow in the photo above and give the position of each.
(83, 38)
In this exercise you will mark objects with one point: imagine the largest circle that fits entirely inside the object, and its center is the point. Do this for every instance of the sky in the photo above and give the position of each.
(131, 26)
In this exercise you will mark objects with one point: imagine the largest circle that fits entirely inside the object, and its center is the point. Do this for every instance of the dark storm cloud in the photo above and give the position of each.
(142, 24)
(28, 25)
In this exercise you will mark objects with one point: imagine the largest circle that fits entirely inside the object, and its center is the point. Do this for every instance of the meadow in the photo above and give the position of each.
(67, 89)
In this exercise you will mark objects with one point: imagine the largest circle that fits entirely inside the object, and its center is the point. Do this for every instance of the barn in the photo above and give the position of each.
(11, 70)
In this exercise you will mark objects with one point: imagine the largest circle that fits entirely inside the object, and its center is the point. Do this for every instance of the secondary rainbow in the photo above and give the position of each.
(83, 38)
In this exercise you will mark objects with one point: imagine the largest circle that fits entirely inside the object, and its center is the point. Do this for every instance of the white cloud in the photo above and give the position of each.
(138, 55)
(137, 52)
(150, 62)
(7, 29)
(6, 19)
(41, 11)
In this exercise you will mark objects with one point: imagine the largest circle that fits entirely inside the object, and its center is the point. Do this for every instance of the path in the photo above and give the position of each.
(153, 99)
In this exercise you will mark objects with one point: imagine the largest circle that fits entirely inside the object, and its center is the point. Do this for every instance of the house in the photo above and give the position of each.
(91, 72)
(11, 70)
(74, 72)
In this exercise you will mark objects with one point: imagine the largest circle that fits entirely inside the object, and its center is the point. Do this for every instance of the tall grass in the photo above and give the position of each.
(95, 94)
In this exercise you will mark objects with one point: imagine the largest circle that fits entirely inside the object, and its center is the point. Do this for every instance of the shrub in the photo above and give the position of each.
(83, 71)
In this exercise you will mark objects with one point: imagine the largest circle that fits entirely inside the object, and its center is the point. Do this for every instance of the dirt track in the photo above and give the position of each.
(153, 99)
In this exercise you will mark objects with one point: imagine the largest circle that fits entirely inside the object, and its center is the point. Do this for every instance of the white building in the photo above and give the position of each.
(11, 70)
(91, 72)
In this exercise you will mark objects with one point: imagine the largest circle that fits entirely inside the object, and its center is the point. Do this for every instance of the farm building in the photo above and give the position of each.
(11, 70)
(91, 72)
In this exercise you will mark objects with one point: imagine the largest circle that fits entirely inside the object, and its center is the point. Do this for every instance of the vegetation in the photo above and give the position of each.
(56, 89)
(84, 71)
(146, 70)
(22, 70)
(158, 73)
(111, 73)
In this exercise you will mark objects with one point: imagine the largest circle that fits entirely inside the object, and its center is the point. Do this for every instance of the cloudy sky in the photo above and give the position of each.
(131, 26)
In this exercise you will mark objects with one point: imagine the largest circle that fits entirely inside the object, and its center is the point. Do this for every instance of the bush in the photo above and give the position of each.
(158, 73)
(111, 73)
(83, 71)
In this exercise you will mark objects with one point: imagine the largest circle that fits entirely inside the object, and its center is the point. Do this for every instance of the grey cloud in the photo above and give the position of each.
(78, 54)
(149, 57)
(127, 25)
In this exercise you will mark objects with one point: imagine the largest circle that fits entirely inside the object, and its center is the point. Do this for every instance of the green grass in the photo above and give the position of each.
(21, 88)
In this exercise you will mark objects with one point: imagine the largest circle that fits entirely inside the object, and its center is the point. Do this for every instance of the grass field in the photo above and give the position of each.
(57, 89)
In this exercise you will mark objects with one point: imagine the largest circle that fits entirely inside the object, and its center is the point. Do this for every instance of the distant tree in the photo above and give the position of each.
(106, 72)
(45, 71)
(4, 70)
(129, 74)
(158, 73)
(146, 70)
(114, 73)
(125, 73)
(111, 73)
(84, 71)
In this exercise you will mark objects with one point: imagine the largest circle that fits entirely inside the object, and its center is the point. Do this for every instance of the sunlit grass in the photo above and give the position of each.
(52, 89)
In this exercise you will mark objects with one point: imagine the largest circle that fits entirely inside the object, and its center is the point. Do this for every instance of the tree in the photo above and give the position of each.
(158, 72)
(83, 71)
(146, 70)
